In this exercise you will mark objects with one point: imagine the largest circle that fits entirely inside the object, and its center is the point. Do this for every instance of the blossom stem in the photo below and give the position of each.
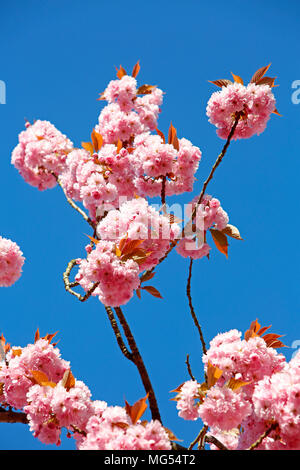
(138, 361)
(72, 203)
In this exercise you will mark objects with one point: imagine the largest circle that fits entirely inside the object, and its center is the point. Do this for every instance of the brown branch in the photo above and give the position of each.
(213, 440)
(189, 367)
(196, 322)
(263, 436)
(138, 361)
(117, 333)
(199, 439)
(9, 416)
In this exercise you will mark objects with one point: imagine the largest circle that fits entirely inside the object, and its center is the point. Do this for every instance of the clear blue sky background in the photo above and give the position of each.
(56, 56)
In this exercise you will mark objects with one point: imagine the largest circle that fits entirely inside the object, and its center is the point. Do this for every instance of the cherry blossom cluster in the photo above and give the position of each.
(11, 262)
(208, 214)
(42, 151)
(111, 428)
(38, 381)
(253, 102)
(129, 161)
(249, 387)
(132, 239)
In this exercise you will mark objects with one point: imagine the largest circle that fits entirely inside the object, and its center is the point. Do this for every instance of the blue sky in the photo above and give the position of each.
(56, 56)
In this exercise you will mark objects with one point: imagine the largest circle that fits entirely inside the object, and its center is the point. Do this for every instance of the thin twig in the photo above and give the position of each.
(69, 284)
(188, 292)
(117, 333)
(199, 438)
(263, 436)
(138, 361)
(189, 367)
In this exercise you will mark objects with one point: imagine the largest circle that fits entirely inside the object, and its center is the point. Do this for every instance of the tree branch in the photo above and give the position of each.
(138, 361)
(117, 333)
(213, 440)
(188, 292)
(9, 416)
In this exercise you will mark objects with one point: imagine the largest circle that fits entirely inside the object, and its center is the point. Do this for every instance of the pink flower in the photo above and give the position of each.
(224, 408)
(11, 262)
(42, 149)
(255, 102)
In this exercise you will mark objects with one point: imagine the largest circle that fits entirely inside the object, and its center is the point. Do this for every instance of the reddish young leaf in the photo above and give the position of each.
(101, 97)
(68, 380)
(220, 240)
(49, 337)
(130, 246)
(123, 242)
(213, 374)
(88, 146)
(119, 145)
(16, 352)
(271, 339)
(171, 134)
(276, 112)
(136, 69)
(137, 410)
(171, 435)
(121, 72)
(145, 89)
(259, 74)
(221, 82)
(94, 141)
(266, 81)
(147, 276)
(252, 332)
(232, 231)
(138, 293)
(153, 291)
(161, 134)
(236, 384)
(37, 335)
(237, 79)
(94, 240)
(41, 378)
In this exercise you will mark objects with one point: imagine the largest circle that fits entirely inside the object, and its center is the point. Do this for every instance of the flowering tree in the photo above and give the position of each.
(250, 396)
